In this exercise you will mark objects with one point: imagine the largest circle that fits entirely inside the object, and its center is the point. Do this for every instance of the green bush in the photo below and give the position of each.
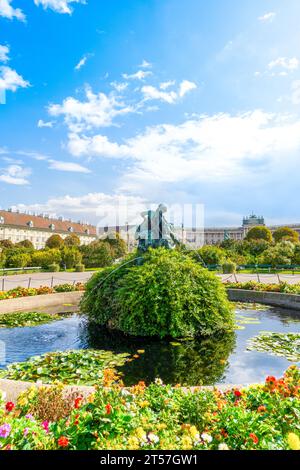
(70, 256)
(18, 260)
(229, 267)
(53, 268)
(46, 257)
(79, 268)
(169, 294)
(98, 254)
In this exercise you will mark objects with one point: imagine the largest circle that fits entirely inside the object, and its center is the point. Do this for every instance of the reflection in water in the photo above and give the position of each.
(208, 361)
(189, 362)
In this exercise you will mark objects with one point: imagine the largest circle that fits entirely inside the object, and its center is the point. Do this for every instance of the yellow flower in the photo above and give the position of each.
(293, 441)
(144, 404)
(161, 426)
(133, 443)
(194, 432)
(187, 443)
(140, 433)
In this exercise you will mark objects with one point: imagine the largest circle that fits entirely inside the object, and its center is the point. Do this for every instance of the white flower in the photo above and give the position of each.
(206, 437)
(158, 381)
(153, 438)
(125, 393)
(3, 395)
(223, 446)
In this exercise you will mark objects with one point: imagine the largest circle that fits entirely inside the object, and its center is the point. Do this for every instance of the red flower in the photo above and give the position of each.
(77, 403)
(9, 406)
(108, 408)
(76, 422)
(254, 438)
(237, 393)
(63, 441)
(271, 381)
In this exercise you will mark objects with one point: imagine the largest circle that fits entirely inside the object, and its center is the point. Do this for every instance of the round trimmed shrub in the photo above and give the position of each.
(79, 268)
(229, 267)
(167, 294)
(53, 268)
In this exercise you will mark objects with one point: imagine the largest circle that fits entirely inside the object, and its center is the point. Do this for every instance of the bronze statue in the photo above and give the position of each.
(155, 231)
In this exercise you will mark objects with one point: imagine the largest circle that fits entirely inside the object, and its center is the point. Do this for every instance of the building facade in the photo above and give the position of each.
(17, 227)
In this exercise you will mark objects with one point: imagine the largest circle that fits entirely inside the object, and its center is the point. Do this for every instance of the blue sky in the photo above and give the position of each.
(150, 100)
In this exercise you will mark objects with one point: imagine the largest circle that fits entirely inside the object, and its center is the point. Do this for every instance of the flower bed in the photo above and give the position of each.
(155, 417)
(283, 287)
(42, 290)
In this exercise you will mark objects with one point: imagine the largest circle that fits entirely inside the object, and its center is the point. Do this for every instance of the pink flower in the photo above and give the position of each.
(5, 430)
(26, 431)
(45, 425)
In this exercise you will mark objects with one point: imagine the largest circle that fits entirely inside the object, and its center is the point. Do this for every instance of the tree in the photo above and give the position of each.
(117, 244)
(281, 254)
(6, 244)
(259, 233)
(26, 244)
(72, 240)
(256, 247)
(70, 256)
(211, 255)
(55, 241)
(97, 254)
(286, 233)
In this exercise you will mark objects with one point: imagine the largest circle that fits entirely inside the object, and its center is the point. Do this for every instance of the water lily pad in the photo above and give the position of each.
(82, 367)
(277, 344)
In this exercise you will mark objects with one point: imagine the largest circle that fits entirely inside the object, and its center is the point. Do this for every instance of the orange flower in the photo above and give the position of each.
(271, 381)
(254, 438)
(262, 409)
(63, 441)
(108, 408)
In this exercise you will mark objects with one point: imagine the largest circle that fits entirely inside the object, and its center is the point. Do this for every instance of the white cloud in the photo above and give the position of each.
(99, 208)
(42, 123)
(119, 86)
(15, 174)
(166, 85)
(295, 92)
(214, 148)
(60, 6)
(145, 64)
(4, 51)
(8, 11)
(139, 75)
(267, 17)
(83, 61)
(11, 80)
(284, 63)
(185, 87)
(67, 166)
(152, 93)
(99, 110)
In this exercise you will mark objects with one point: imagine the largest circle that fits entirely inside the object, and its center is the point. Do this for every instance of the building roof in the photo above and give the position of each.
(16, 219)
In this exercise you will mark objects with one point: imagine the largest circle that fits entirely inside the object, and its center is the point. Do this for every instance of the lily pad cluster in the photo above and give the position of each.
(82, 367)
(22, 319)
(277, 344)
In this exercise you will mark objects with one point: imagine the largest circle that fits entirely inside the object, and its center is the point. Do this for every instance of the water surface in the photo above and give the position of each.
(204, 361)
